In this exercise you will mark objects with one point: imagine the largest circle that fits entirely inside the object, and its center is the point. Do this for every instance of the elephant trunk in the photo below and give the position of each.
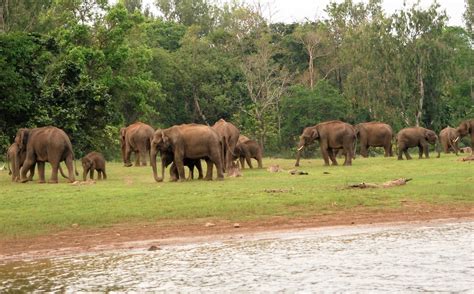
(153, 164)
(62, 172)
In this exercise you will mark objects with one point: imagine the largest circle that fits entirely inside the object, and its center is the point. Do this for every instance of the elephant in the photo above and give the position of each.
(17, 158)
(94, 161)
(247, 149)
(416, 137)
(374, 134)
(331, 135)
(136, 138)
(45, 144)
(467, 127)
(167, 158)
(229, 135)
(449, 137)
(191, 141)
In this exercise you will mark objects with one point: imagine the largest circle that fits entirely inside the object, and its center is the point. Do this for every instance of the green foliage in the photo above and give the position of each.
(91, 67)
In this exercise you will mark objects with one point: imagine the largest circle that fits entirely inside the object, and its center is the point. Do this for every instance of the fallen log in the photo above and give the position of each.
(392, 183)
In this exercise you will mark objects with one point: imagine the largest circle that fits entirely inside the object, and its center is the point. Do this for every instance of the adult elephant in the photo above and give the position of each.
(247, 149)
(448, 137)
(416, 137)
(374, 134)
(136, 138)
(191, 141)
(465, 128)
(229, 135)
(46, 144)
(331, 135)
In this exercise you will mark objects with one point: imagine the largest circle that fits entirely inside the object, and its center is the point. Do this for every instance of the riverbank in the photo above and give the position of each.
(147, 235)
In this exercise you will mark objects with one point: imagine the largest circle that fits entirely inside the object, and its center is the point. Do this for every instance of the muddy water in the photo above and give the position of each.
(423, 257)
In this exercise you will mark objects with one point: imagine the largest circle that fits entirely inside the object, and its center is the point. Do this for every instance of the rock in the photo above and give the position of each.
(75, 225)
(209, 225)
(154, 248)
(236, 225)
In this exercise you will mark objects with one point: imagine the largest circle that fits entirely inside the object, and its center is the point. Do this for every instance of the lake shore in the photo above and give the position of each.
(79, 240)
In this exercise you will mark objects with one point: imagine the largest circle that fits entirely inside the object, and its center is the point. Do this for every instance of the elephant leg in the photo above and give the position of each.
(104, 175)
(324, 152)
(84, 174)
(348, 156)
(387, 150)
(209, 170)
(91, 173)
(41, 172)
(249, 162)
(173, 173)
(70, 168)
(32, 172)
(178, 160)
(199, 168)
(364, 150)
(54, 172)
(427, 150)
(29, 163)
(99, 174)
(332, 156)
(259, 160)
(242, 162)
(143, 153)
(407, 155)
(420, 152)
(128, 152)
(137, 158)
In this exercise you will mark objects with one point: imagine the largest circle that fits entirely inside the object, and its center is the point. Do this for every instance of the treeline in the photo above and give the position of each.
(90, 67)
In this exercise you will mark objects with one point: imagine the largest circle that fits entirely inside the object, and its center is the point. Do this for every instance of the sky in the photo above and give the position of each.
(289, 11)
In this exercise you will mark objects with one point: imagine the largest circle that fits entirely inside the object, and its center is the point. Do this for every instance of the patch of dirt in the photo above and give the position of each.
(142, 236)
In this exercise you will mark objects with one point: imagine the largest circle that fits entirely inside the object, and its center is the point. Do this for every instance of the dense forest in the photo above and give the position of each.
(91, 67)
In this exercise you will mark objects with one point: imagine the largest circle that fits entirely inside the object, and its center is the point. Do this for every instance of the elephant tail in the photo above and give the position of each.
(8, 164)
(62, 172)
(354, 147)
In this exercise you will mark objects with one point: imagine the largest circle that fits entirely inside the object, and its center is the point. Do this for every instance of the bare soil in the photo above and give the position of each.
(142, 236)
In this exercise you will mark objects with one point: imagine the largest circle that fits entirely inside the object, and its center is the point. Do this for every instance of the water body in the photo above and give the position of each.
(415, 258)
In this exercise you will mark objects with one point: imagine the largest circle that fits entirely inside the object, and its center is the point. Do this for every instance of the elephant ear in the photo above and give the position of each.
(314, 134)
(22, 138)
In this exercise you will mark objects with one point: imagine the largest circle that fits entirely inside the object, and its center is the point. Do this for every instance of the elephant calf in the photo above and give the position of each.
(247, 149)
(416, 137)
(167, 159)
(94, 161)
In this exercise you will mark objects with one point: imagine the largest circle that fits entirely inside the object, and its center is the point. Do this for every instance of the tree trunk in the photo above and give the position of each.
(419, 112)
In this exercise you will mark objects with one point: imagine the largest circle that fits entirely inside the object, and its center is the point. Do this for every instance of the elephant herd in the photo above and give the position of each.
(218, 145)
(180, 145)
(337, 135)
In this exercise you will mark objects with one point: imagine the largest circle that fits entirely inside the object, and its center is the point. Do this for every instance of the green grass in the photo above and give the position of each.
(130, 195)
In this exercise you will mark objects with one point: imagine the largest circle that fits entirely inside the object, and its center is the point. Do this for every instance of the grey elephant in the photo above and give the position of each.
(374, 134)
(467, 128)
(191, 141)
(449, 137)
(136, 138)
(46, 144)
(247, 149)
(416, 137)
(229, 135)
(94, 161)
(331, 135)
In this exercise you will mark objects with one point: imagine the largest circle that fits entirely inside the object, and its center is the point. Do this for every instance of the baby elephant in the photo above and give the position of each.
(94, 161)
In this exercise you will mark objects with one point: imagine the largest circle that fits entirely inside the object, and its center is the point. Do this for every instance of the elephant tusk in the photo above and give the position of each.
(455, 140)
(301, 148)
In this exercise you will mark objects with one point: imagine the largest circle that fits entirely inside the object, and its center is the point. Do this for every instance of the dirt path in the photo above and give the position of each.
(142, 236)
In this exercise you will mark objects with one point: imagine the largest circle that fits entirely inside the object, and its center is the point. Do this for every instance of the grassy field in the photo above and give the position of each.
(130, 195)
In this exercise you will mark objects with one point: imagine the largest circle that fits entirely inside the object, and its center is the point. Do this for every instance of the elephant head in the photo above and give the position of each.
(465, 127)
(307, 137)
(160, 142)
(432, 138)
